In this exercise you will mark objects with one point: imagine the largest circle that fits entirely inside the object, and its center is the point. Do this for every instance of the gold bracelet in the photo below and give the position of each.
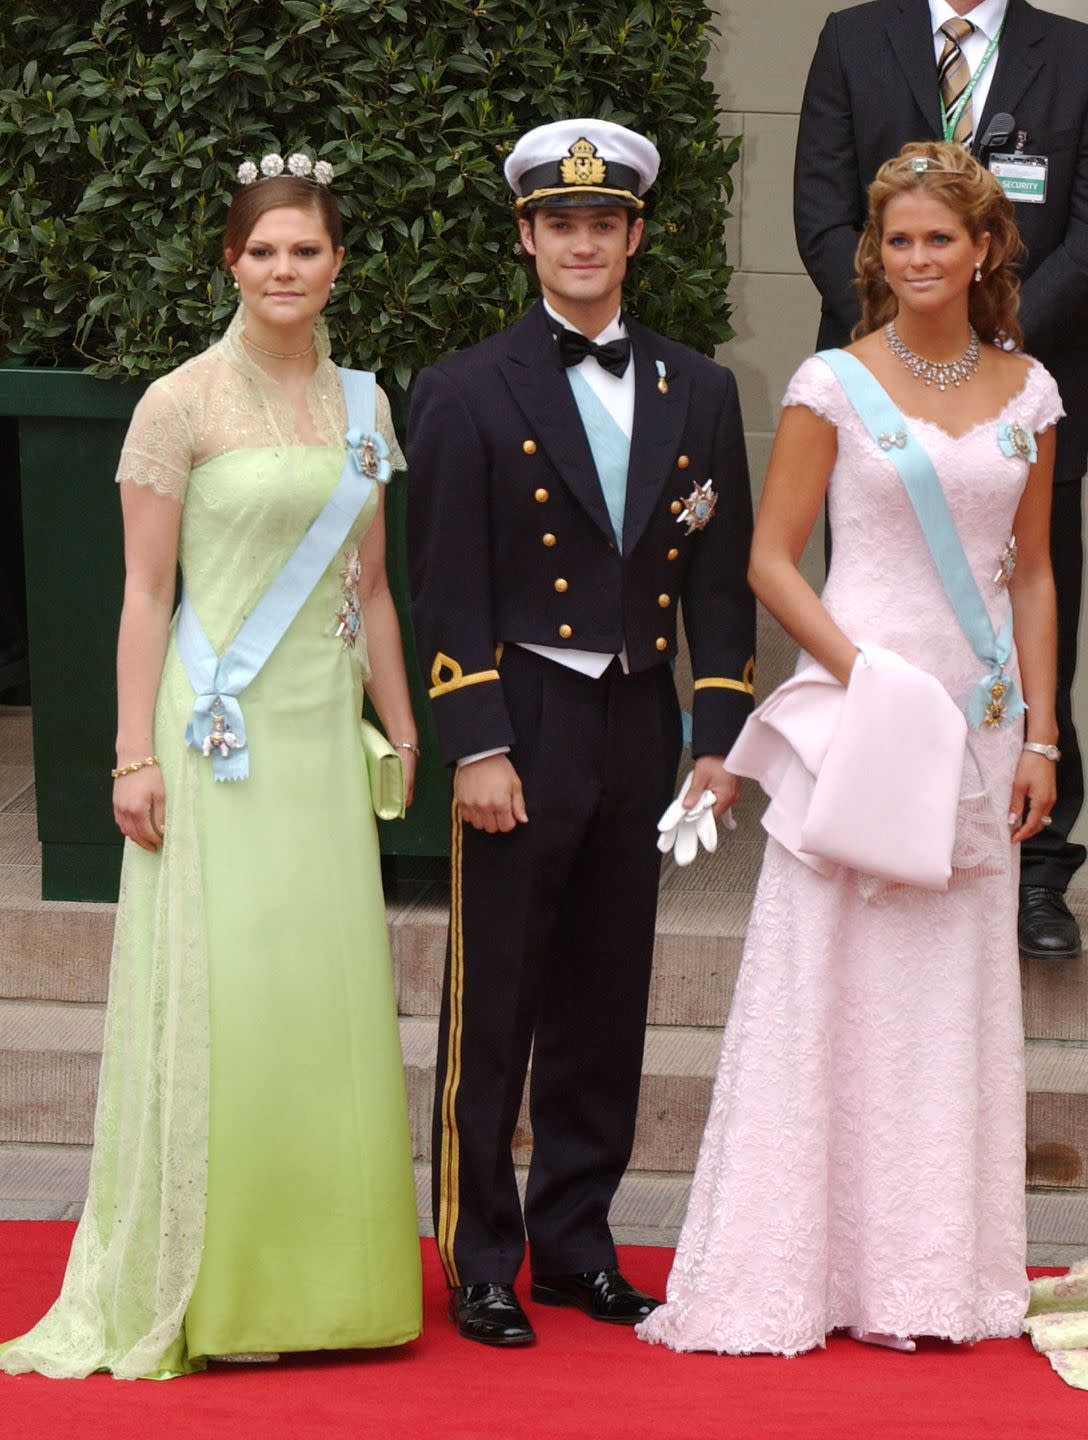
(136, 765)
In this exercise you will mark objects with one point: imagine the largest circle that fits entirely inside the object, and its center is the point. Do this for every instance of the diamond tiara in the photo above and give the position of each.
(922, 165)
(319, 171)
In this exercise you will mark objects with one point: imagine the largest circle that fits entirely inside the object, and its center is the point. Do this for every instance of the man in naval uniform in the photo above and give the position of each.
(575, 479)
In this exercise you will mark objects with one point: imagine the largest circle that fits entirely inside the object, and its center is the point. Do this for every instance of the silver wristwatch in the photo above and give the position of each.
(1050, 751)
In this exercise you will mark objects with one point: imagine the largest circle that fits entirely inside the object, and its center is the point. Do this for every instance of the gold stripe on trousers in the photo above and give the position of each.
(450, 1159)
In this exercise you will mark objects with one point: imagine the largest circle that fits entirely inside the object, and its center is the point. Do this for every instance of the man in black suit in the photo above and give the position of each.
(574, 479)
(892, 71)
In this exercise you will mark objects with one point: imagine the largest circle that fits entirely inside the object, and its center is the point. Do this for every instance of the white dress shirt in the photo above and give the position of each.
(987, 19)
(617, 394)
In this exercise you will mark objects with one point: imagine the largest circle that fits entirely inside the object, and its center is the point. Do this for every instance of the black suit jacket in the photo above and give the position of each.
(509, 539)
(872, 87)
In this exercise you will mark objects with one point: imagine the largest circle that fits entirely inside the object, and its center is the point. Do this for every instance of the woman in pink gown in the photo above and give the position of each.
(863, 1162)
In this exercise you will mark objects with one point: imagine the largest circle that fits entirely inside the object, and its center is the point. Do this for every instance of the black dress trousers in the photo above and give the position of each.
(550, 949)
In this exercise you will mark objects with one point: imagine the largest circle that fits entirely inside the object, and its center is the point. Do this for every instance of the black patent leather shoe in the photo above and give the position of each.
(603, 1294)
(1047, 928)
(490, 1314)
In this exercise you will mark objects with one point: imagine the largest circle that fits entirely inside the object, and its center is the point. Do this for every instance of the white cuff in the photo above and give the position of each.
(483, 755)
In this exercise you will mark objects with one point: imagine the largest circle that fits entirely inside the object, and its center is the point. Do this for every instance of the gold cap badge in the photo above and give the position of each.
(583, 165)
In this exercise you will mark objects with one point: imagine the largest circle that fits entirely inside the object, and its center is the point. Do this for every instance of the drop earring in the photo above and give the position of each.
(978, 274)
(235, 283)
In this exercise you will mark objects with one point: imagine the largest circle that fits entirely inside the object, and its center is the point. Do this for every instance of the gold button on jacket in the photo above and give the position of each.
(510, 537)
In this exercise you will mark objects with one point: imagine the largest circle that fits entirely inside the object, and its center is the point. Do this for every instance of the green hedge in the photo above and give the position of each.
(122, 124)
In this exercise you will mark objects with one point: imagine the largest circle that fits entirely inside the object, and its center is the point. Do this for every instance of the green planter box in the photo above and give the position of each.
(71, 427)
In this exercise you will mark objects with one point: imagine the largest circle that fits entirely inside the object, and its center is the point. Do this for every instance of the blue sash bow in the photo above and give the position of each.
(217, 726)
(995, 700)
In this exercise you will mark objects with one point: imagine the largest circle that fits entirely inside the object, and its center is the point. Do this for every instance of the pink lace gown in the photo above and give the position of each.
(863, 1160)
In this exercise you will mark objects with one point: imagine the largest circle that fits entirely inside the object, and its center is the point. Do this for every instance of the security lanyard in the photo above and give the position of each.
(951, 117)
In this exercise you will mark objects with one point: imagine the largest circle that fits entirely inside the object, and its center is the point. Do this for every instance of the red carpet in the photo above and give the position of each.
(581, 1380)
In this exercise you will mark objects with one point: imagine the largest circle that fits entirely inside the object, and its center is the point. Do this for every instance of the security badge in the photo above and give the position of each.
(698, 508)
(1022, 177)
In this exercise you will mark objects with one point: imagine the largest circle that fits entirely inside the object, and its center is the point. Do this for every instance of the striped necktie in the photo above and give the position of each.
(954, 74)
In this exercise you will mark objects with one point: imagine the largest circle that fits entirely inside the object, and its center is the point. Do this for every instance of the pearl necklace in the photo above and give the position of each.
(934, 372)
(276, 354)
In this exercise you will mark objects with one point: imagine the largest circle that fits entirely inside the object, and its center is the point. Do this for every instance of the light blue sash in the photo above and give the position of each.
(995, 700)
(610, 447)
(217, 727)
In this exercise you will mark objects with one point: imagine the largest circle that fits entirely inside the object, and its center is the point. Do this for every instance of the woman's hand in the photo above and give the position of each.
(410, 760)
(1035, 786)
(139, 806)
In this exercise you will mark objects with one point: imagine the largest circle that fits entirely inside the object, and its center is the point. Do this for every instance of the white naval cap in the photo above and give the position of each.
(582, 162)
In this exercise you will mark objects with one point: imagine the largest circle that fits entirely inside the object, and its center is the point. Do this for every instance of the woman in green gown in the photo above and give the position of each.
(251, 1187)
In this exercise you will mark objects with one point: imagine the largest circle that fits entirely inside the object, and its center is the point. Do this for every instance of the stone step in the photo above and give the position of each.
(49, 1069)
(49, 1060)
(49, 1182)
(59, 951)
(16, 738)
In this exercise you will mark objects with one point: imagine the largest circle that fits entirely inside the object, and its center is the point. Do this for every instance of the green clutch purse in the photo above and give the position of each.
(385, 772)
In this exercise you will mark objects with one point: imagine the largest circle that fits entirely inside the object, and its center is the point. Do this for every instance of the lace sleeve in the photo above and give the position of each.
(158, 449)
(815, 386)
(388, 434)
(1046, 401)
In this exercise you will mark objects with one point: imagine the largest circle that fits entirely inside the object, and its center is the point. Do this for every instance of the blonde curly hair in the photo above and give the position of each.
(954, 177)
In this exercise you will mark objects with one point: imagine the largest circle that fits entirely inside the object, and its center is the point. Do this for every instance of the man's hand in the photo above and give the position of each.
(710, 774)
(488, 795)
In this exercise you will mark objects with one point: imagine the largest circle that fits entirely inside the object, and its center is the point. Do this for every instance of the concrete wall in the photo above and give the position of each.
(759, 68)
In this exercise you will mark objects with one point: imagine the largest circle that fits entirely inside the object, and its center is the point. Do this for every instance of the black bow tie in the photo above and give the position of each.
(574, 347)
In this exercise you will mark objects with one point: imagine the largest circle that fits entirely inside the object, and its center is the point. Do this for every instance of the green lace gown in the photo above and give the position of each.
(252, 1185)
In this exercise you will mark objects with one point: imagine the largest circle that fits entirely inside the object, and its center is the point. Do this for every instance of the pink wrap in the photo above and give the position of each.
(867, 776)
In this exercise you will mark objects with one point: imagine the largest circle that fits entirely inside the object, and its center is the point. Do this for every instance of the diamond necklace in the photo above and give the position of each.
(933, 372)
(276, 354)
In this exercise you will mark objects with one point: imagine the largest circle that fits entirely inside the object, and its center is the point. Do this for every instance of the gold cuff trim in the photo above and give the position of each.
(746, 686)
(523, 200)
(454, 678)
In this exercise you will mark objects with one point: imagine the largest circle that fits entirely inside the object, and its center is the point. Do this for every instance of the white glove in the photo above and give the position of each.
(683, 830)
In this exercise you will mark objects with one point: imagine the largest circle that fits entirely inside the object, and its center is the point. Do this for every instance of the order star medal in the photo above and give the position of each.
(698, 508)
(995, 710)
(368, 457)
(348, 615)
(1006, 565)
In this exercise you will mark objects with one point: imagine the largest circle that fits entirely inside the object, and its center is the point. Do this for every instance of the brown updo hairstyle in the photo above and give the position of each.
(279, 192)
(955, 178)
